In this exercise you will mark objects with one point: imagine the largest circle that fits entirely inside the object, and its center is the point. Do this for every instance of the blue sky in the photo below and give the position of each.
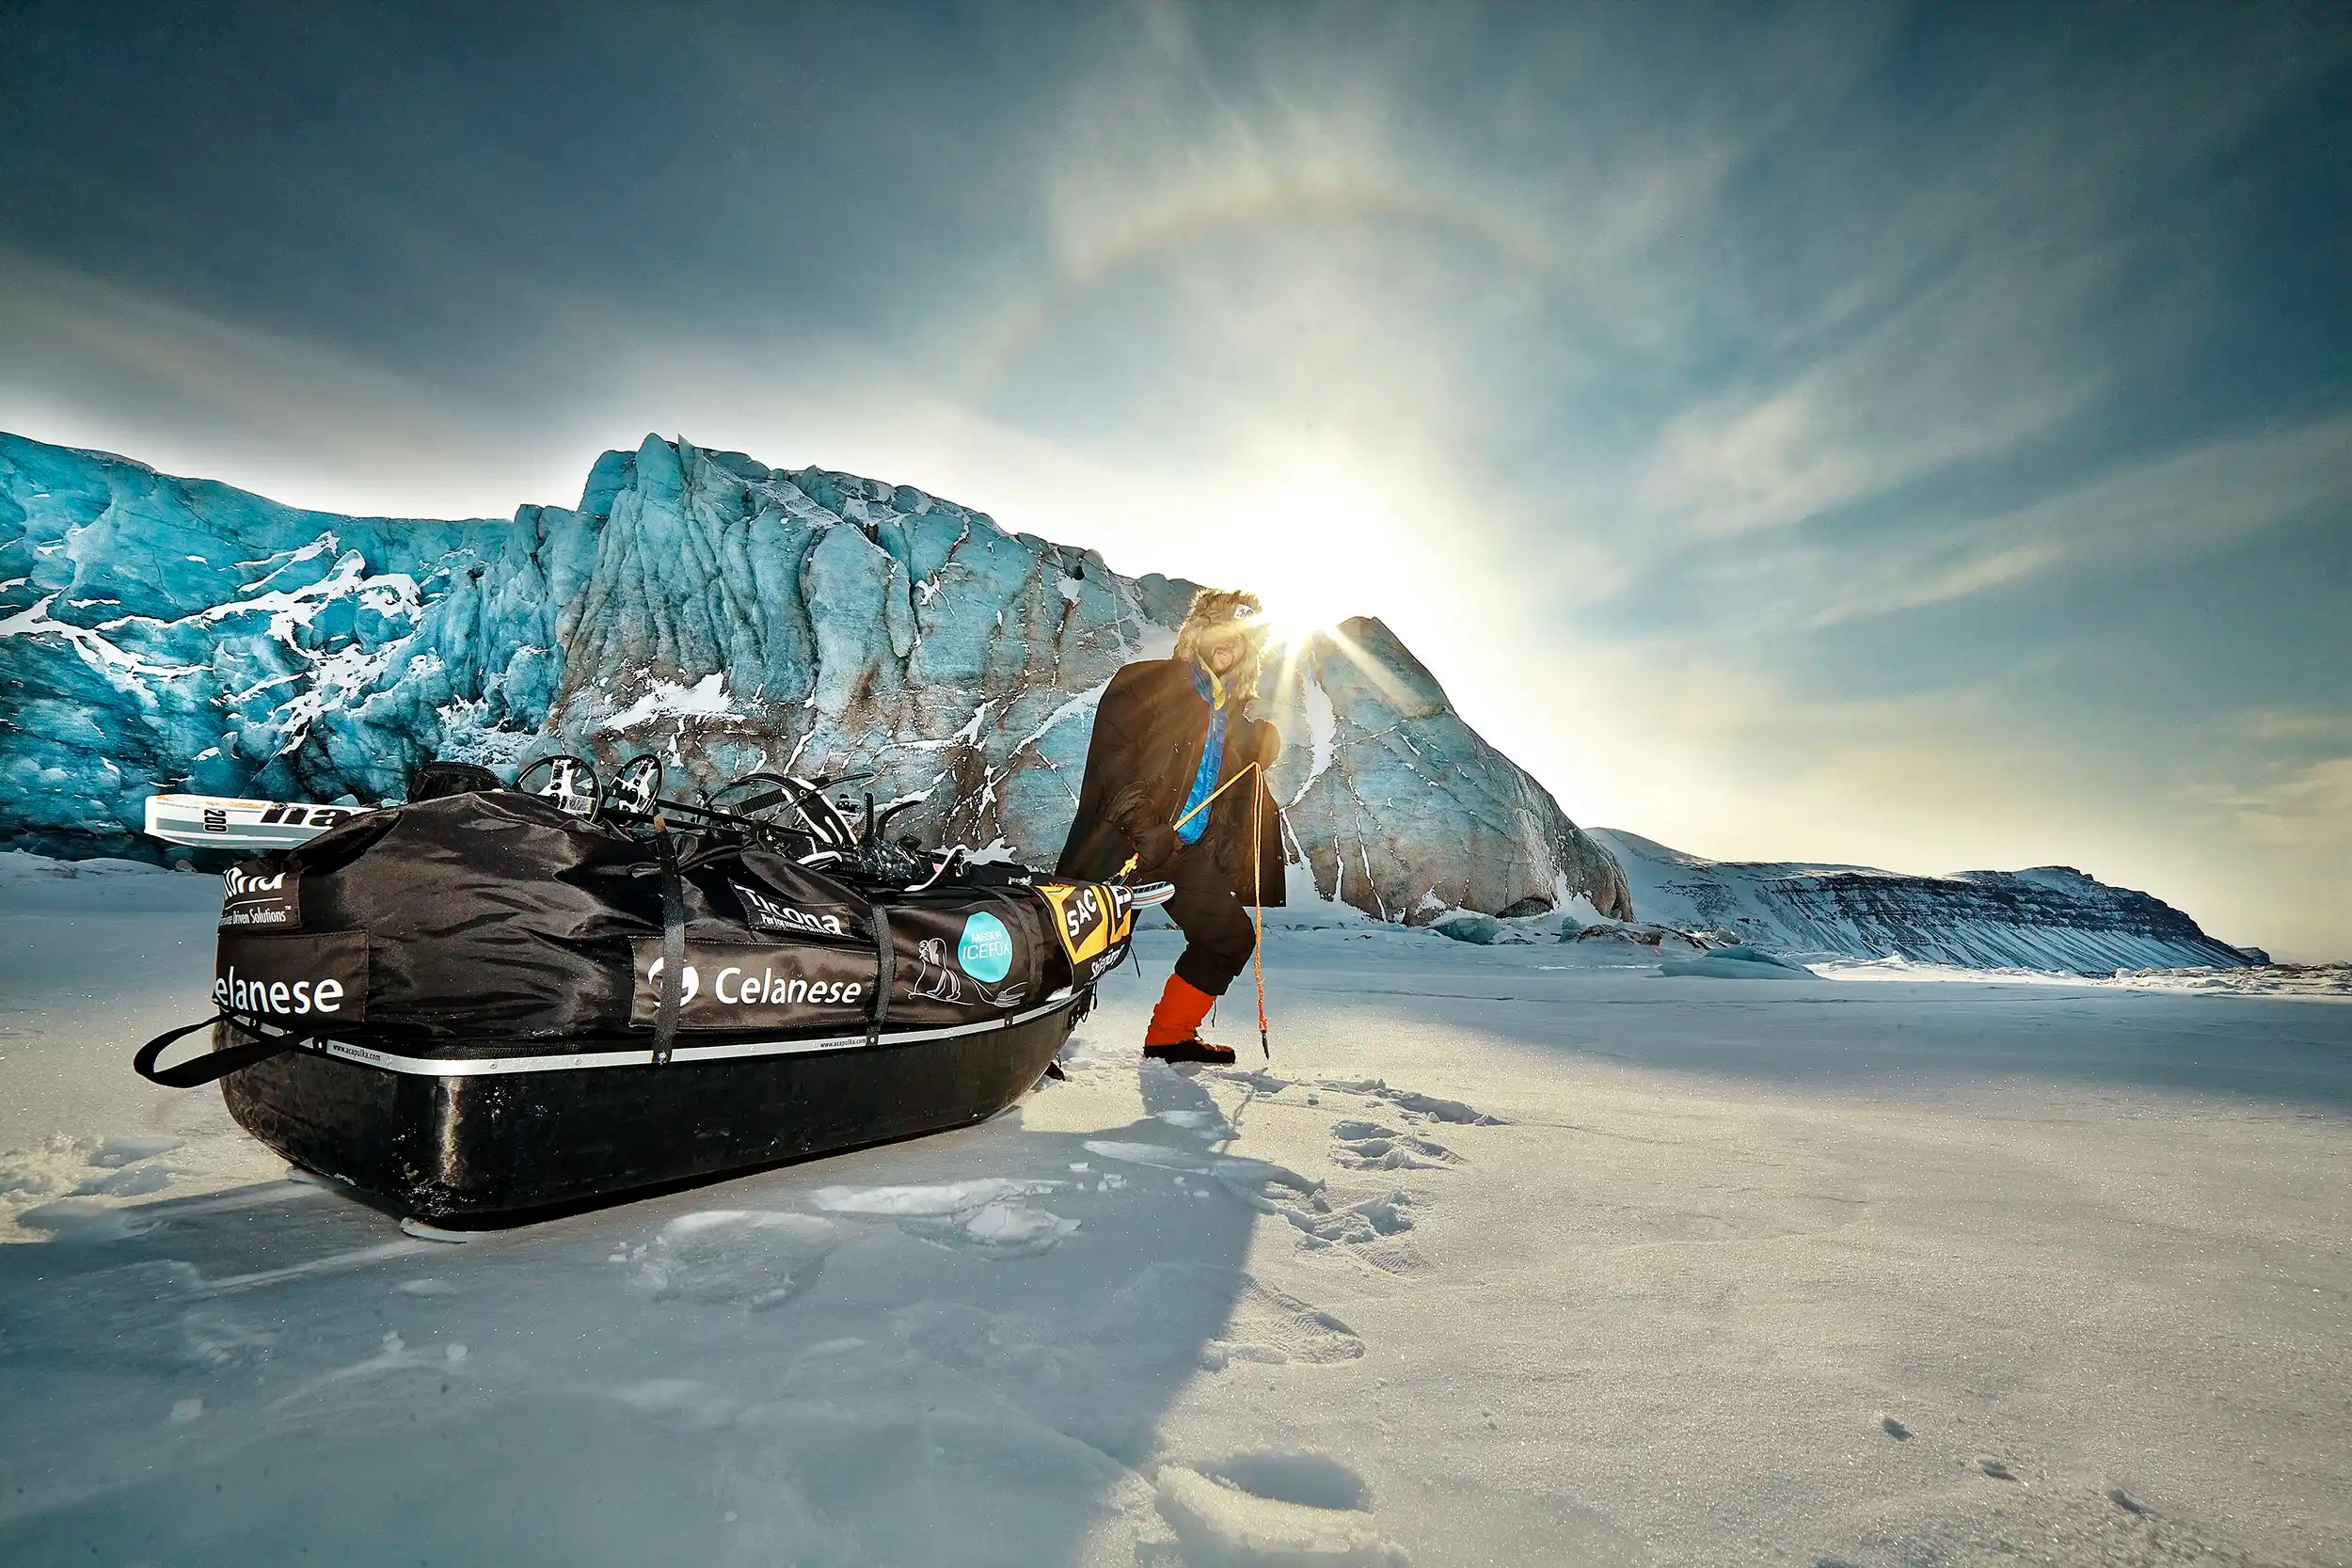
(1913, 436)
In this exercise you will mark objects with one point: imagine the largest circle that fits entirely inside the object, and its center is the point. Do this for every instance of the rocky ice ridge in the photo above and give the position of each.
(2050, 918)
(163, 633)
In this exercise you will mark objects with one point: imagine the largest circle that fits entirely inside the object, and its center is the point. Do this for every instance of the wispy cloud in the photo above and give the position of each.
(2176, 506)
(1967, 371)
(2272, 725)
(2305, 808)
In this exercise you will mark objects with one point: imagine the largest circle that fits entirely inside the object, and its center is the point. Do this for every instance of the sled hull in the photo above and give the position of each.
(496, 1146)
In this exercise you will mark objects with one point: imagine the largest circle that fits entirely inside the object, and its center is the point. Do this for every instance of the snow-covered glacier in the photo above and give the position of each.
(163, 633)
(2050, 918)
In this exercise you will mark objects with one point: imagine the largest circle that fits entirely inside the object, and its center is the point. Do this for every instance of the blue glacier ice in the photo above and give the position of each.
(163, 633)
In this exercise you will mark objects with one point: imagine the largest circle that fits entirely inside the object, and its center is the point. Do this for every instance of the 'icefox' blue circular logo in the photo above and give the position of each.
(986, 950)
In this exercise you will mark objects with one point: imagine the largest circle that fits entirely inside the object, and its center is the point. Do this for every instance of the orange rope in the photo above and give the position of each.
(1257, 888)
(1196, 811)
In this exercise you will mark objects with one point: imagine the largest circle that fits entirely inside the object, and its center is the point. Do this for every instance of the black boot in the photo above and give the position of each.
(1192, 1049)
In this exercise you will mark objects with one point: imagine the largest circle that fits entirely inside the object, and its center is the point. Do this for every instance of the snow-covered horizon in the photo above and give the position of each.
(2048, 917)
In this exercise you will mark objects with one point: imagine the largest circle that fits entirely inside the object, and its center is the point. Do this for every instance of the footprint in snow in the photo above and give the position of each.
(1370, 1229)
(1272, 1326)
(1411, 1103)
(1368, 1146)
(1304, 1477)
(1245, 1514)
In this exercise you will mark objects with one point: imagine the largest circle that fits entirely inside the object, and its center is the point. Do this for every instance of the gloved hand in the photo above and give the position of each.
(1154, 845)
(1269, 743)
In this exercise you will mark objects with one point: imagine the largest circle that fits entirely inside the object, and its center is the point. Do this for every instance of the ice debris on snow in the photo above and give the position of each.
(117, 1151)
(930, 1201)
(84, 1219)
(130, 1181)
(1247, 1179)
(60, 1169)
(747, 1258)
(990, 1215)
(1483, 931)
(1736, 962)
(680, 1405)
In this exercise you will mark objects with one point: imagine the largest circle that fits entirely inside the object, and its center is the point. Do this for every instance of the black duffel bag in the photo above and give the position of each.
(470, 925)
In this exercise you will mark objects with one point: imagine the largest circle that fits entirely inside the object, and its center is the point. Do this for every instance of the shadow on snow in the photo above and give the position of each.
(903, 1354)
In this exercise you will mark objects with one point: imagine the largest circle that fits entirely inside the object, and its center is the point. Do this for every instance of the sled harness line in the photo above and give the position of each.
(215, 1065)
(1257, 884)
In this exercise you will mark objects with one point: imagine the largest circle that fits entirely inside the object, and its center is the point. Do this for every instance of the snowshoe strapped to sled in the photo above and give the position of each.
(490, 1001)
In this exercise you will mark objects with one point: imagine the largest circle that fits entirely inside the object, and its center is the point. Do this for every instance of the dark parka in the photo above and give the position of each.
(1149, 731)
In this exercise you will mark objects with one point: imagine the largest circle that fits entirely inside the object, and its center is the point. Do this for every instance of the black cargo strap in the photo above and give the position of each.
(673, 946)
(198, 1070)
(1017, 907)
(885, 967)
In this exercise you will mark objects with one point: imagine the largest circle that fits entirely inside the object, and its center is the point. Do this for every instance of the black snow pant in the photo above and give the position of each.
(1220, 935)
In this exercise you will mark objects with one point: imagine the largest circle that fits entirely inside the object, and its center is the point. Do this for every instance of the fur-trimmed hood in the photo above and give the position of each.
(1217, 606)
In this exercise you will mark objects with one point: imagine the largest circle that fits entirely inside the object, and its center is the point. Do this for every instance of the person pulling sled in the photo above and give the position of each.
(1164, 796)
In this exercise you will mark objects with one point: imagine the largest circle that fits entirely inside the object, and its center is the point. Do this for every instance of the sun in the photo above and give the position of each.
(1322, 549)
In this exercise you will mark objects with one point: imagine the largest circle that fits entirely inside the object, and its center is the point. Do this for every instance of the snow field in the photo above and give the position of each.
(1495, 1262)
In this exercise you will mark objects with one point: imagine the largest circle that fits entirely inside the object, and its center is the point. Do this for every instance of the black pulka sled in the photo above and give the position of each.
(493, 1000)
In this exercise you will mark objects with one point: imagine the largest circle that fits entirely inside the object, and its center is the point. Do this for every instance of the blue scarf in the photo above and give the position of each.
(1212, 756)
